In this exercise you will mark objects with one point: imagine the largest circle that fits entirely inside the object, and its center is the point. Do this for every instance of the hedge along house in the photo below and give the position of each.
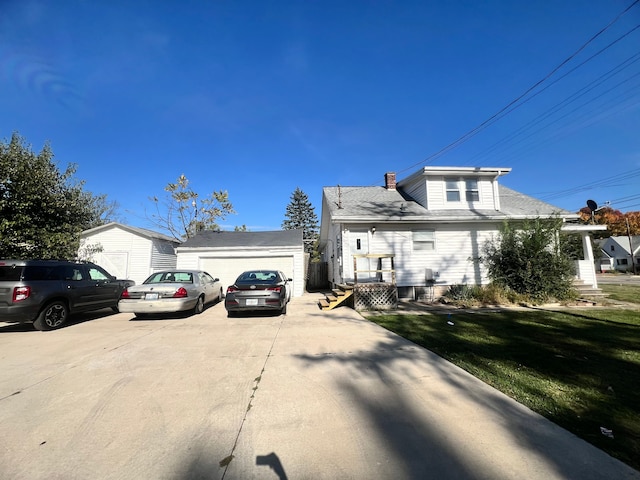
(226, 255)
(128, 252)
(431, 225)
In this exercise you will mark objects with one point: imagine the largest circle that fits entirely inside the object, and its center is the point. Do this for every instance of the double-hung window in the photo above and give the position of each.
(472, 193)
(424, 240)
(453, 190)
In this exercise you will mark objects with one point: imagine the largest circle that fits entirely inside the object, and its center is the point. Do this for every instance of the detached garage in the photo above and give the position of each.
(227, 254)
(128, 252)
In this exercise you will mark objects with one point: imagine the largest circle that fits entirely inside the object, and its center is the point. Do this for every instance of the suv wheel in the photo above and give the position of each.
(52, 316)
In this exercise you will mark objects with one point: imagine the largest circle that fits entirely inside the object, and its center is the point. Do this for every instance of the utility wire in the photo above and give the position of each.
(484, 124)
(597, 183)
(586, 114)
(559, 106)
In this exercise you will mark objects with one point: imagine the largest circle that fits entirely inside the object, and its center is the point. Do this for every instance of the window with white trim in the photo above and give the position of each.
(471, 190)
(453, 190)
(424, 240)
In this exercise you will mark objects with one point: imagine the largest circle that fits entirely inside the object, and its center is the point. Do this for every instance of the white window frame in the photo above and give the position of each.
(452, 187)
(424, 240)
(472, 191)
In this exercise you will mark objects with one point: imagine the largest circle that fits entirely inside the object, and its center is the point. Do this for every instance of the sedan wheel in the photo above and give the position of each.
(52, 316)
(199, 308)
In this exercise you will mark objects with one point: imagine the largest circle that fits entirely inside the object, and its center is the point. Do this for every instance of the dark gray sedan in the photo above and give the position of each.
(259, 290)
(171, 291)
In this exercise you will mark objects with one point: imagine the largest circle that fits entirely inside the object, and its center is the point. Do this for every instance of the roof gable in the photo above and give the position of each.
(621, 244)
(143, 232)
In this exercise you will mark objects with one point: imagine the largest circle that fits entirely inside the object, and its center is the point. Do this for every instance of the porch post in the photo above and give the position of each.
(588, 255)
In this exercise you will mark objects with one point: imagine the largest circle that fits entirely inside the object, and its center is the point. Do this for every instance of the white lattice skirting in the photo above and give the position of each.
(375, 296)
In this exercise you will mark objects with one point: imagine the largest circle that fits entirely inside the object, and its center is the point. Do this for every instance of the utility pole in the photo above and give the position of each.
(633, 260)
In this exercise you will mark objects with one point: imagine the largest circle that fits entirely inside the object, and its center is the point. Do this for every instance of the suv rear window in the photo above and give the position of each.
(32, 272)
(29, 273)
(10, 274)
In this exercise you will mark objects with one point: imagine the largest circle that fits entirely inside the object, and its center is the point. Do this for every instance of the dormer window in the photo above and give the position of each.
(453, 190)
(471, 186)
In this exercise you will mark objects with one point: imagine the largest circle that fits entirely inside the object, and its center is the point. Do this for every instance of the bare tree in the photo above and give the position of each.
(183, 213)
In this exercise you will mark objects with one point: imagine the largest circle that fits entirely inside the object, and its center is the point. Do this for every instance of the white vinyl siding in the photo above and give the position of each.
(163, 256)
(418, 192)
(227, 264)
(457, 244)
(128, 255)
(436, 193)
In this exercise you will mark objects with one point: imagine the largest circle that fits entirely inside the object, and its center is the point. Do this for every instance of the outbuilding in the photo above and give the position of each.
(227, 254)
(128, 252)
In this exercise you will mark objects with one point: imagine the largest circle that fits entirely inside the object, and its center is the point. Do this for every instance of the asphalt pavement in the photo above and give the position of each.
(309, 395)
(618, 279)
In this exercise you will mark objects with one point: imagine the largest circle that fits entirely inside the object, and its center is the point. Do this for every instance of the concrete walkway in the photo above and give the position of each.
(310, 395)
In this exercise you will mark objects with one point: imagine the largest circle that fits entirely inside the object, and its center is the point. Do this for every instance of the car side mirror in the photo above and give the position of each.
(216, 279)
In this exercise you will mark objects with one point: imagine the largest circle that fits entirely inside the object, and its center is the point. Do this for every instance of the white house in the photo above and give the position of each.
(433, 223)
(617, 253)
(128, 252)
(227, 254)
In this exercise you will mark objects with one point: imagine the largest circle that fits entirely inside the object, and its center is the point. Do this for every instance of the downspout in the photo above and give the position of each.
(496, 193)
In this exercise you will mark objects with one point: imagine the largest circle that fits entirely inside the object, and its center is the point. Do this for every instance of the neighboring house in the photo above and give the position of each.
(226, 255)
(433, 223)
(617, 254)
(128, 252)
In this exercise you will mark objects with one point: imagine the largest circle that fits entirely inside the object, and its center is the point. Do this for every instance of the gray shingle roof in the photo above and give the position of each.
(379, 204)
(276, 238)
(515, 203)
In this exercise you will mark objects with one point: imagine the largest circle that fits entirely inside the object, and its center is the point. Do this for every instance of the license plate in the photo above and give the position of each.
(151, 296)
(252, 302)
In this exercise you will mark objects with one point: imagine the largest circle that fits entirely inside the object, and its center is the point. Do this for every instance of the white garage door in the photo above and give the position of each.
(227, 269)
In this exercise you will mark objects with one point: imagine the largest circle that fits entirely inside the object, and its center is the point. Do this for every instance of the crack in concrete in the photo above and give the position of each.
(226, 461)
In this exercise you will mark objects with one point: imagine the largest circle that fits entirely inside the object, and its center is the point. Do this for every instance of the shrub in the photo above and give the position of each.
(528, 260)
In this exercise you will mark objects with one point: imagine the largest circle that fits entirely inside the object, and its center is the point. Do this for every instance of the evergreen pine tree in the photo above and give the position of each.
(300, 215)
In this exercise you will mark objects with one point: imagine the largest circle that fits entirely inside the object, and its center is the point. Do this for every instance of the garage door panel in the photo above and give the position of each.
(227, 269)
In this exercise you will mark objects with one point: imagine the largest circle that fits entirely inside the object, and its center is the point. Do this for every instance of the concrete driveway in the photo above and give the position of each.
(309, 395)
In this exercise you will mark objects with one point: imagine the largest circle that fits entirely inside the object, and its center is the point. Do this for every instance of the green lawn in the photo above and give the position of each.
(623, 293)
(580, 367)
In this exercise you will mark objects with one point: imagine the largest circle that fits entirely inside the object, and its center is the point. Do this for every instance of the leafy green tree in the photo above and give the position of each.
(528, 259)
(43, 210)
(183, 213)
(242, 228)
(300, 215)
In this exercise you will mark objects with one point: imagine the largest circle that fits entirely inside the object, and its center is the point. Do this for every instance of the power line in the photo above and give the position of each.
(487, 122)
(590, 119)
(564, 103)
(598, 183)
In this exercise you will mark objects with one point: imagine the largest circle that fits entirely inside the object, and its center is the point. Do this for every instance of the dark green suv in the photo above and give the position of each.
(45, 292)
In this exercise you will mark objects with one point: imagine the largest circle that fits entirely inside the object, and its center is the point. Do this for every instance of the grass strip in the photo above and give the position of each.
(580, 368)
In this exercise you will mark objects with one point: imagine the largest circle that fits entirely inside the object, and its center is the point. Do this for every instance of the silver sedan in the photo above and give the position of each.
(171, 291)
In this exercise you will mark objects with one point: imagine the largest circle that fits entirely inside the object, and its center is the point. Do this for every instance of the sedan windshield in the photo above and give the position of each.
(170, 277)
(259, 276)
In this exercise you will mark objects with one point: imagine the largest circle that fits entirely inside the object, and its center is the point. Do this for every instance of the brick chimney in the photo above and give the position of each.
(390, 180)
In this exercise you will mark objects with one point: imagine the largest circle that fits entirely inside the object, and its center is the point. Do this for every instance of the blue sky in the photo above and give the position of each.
(260, 97)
